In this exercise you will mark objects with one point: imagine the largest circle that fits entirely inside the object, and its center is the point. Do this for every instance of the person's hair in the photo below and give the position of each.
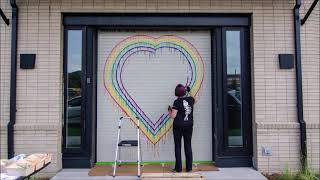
(180, 90)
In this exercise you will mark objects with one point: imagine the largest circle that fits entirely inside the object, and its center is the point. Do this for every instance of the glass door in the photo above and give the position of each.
(233, 101)
(233, 120)
(74, 118)
(77, 126)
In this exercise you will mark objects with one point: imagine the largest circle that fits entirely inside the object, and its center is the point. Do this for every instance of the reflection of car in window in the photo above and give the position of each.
(74, 110)
(74, 102)
(74, 122)
(234, 98)
(234, 113)
(72, 93)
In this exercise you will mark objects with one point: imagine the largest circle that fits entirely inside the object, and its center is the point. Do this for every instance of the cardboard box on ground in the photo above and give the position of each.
(21, 166)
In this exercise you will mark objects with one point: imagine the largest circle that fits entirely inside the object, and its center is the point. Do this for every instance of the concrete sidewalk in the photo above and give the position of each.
(222, 174)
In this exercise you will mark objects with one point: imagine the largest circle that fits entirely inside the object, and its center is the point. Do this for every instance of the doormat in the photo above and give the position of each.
(131, 169)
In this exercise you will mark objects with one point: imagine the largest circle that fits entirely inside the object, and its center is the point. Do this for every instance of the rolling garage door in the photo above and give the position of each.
(137, 74)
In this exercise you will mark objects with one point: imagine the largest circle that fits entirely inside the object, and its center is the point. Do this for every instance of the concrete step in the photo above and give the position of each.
(171, 176)
(222, 174)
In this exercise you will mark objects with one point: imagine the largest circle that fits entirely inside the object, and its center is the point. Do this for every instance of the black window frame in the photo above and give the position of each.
(235, 156)
(83, 151)
(245, 93)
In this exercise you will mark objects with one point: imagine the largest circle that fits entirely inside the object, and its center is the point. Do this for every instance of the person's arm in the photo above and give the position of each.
(173, 113)
(193, 98)
(174, 110)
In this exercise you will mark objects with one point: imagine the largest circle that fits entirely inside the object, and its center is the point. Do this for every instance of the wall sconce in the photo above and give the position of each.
(27, 61)
(286, 61)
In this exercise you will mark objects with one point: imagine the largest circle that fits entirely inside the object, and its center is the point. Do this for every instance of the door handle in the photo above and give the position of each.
(88, 80)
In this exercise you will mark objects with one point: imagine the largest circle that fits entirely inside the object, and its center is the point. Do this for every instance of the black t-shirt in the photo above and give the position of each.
(185, 111)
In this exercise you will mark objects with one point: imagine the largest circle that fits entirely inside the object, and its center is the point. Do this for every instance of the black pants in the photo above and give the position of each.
(186, 133)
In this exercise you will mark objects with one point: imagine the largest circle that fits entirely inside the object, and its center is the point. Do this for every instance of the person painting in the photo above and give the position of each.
(182, 112)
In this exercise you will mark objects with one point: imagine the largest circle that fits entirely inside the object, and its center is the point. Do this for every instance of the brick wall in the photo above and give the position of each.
(39, 91)
(310, 45)
(37, 139)
(5, 47)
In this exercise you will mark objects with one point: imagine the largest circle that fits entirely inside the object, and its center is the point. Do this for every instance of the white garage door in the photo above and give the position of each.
(137, 74)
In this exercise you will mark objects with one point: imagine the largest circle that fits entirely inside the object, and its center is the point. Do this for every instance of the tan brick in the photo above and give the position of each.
(40, 32)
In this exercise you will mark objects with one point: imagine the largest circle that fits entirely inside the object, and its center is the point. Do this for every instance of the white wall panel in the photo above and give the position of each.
(150, 80)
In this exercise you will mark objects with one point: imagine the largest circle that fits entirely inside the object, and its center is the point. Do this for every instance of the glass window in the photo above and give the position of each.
(74, 74)
(234, 101)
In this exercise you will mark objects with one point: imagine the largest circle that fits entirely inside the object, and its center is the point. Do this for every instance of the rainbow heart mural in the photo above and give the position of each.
(154, 130)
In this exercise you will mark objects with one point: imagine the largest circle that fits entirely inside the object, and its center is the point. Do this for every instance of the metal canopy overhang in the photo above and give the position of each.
(309, 12)
(156, 20)
(4, 17)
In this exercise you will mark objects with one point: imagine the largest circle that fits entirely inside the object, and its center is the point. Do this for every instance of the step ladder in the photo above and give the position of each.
(127, 143)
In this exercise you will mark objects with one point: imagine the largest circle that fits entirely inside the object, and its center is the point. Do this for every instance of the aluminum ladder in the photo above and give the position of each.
(127, 143)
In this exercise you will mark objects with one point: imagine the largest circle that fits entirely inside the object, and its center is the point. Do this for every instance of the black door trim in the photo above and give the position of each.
(232, 156)
(80, 158)
(91, 92)
(155, 21)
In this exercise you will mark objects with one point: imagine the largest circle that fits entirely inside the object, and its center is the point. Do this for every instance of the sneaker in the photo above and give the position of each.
(189, 170)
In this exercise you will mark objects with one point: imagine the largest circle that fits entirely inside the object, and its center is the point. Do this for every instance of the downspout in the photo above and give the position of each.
(302, 123)
(13, 79)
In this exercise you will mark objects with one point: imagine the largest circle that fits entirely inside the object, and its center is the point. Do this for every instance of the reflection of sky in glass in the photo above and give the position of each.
(233, 52)
(74, 50)
(235, 138)
(73, 120)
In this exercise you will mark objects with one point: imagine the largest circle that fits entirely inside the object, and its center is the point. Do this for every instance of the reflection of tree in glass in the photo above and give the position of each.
(74, 79)
(234, 84)
(238, 94)
(74, 84)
